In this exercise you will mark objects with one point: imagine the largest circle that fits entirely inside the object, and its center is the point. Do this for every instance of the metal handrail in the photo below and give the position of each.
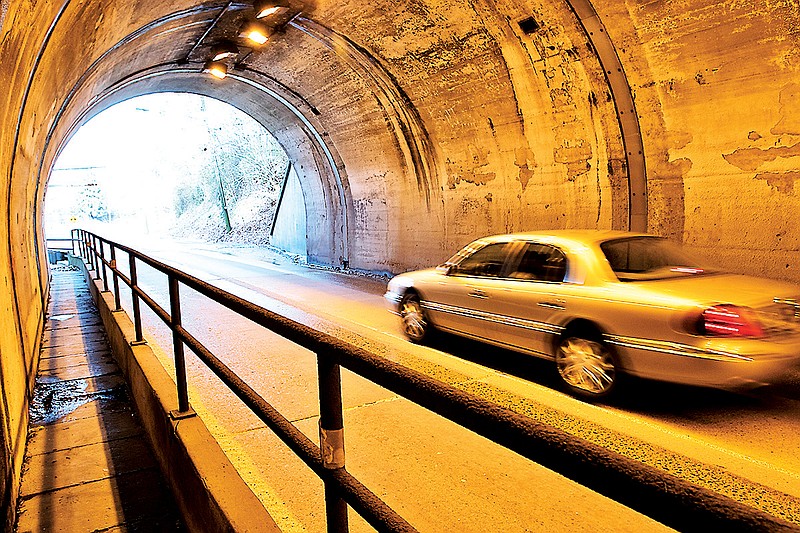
(50, 245)
(661, 496)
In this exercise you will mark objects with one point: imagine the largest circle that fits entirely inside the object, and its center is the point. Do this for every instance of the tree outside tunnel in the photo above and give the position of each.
(169, 165)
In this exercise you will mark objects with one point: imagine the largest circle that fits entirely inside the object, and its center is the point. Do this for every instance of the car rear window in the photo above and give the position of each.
(650, 258)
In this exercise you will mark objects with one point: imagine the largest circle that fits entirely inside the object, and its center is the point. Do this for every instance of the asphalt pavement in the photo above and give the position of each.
(438, 476)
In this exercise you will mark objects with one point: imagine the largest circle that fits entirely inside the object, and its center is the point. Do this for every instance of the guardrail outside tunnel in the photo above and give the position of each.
(650, 491)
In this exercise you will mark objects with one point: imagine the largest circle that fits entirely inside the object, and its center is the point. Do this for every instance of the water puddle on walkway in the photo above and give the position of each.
(55, 398)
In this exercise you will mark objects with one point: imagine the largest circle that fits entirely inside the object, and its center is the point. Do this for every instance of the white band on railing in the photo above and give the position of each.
(331, 443)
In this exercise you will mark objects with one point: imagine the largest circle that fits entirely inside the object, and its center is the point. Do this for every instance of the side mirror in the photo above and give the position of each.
(447, 268)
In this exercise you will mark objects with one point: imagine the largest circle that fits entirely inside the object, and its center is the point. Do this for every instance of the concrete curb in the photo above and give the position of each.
(210, 493)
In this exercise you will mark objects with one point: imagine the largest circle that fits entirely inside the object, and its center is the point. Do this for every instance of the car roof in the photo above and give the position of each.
(581, 236)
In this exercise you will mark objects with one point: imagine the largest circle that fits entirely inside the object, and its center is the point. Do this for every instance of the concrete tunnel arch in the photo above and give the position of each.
(284, 112)
(322, 177)
(342, 221)
(409, 192)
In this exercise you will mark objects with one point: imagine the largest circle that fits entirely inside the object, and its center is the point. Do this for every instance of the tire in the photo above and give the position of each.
(416, 325)
(587, 366)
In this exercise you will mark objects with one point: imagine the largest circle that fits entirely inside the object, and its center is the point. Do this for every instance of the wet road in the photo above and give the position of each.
(436, 475)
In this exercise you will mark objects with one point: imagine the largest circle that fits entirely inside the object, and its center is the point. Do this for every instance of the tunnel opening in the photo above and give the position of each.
(177, 166)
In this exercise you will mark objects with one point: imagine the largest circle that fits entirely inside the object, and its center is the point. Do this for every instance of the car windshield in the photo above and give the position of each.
(650, 258)
(466, 251)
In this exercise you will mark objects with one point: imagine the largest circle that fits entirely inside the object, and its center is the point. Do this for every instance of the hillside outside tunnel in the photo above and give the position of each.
(416, 126)
(172, 165)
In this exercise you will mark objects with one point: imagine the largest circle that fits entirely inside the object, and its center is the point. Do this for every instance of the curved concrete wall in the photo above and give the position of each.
(717, 93)
(416, 126)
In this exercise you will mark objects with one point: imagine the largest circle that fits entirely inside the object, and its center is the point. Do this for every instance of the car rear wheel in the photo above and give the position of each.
(587, 366)
(415, 322)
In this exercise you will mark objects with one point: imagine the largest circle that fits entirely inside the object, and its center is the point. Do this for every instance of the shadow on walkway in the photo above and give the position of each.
(88, 465)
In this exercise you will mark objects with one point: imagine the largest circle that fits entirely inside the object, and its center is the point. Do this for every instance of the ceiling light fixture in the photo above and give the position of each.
(255, 32)
(217, 69)
(265, 8)
(223, 50)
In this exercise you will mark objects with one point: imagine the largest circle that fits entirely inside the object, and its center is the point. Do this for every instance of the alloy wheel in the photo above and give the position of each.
(586, 366)
(415, 324)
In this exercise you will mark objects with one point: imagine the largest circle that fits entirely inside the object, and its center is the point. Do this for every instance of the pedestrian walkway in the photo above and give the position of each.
(88, 465)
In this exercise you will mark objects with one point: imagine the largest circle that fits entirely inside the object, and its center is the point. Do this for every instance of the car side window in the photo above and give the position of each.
(540, 262)
(486, 262)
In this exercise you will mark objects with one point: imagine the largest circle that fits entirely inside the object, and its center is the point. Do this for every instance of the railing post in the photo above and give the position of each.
(331, 439)
(177, 346)
(137, 314)
(81, 244)
(103, 264)
(117, 304)
(95, 257)
(87, 250)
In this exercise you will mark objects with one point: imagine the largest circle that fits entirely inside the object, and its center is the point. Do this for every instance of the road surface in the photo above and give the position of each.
(435, 474)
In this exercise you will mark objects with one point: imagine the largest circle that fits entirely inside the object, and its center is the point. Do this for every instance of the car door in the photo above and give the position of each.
(460, 301)
(526, 303)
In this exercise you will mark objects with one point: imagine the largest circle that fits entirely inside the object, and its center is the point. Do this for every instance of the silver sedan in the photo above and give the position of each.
(603, 304)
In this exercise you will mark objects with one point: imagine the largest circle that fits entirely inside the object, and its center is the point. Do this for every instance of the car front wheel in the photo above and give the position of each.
(587, 366)
(415, 322)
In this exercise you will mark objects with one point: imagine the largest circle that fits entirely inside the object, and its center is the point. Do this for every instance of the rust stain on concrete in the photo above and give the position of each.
(750, 159)
(781, 181)
(480, 159)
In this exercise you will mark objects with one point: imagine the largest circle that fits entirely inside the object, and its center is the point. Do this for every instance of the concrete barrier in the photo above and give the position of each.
(210, 493)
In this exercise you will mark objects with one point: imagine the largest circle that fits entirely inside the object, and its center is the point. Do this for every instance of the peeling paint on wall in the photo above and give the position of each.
(750, 159)
(778, 162)
(575, 154)
(479, 157)
(525, 160)
(781, 181)
(556, 63)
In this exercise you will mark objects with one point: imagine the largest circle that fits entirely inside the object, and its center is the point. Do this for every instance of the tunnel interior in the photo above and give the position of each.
(415, 126)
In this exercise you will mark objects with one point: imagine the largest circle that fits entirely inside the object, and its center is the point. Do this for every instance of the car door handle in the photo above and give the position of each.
(477, 293)
(558, 305)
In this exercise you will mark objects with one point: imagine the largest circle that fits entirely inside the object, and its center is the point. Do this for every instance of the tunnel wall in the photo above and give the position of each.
(515, 131)
(21, 298)
(289, 230)
(717, 87)
(419, 125)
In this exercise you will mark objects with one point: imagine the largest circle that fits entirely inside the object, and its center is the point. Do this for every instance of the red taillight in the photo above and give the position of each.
(731, 321)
